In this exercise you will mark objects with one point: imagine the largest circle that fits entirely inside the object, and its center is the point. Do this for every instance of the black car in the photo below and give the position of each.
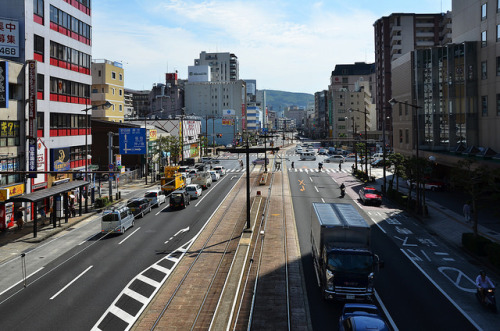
(139, 206)
(179, 199)
(380, 163)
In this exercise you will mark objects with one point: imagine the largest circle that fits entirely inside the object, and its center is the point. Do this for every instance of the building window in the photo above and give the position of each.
(483, 12)
(483, 38)
(11, 164)
(113, 75)
(484, 105)
(40, 84)
(39, 46)
(38, 7)
(484, 70)
(121, 77)
(120, 92)
(498, 104)
(498, 31)
(120, 108)
(99, 73)
(400, 109)
(400, 136)
(113, 91)
(498, 63)
(407, 136)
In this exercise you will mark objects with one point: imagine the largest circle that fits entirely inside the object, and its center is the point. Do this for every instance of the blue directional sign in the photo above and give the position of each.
(132, 141)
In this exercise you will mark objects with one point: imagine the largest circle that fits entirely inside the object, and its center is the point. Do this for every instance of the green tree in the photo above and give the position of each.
(397, 160)
(170, 144)
(478, 182)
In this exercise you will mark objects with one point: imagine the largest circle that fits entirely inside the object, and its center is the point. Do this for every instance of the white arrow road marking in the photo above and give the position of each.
(414, 257)
(74, 280)
(404, 241)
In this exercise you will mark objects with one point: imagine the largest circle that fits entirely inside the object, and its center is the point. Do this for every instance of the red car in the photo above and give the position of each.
(370, 194)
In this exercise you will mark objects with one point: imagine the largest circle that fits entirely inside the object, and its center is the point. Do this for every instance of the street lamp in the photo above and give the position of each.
(105, 105)
(393, 102)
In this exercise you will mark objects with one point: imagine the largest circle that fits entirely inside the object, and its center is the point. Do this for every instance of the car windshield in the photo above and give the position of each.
(176, 196)
(350, 262)
(150, 195)
(111, 217)
(371, 191)
(190, 189)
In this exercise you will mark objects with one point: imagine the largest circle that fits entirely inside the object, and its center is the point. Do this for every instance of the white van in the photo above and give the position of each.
(155, 197)
(308, 156)
(117, 220)
(377, 156)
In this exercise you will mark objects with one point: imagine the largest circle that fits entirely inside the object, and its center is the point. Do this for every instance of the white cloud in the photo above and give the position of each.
(283, 47)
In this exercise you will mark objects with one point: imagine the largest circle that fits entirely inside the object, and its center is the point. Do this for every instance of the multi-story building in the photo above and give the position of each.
(396, 35)
(296, 114)
(52, 39)
(223, 67)
(477, 21)
(351, 87)
(322, 129)
(140, 102)
(108, 86)
(167, 100)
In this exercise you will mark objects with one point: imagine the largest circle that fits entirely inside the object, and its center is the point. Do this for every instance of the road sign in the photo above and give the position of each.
(111, 166)
(132, 141)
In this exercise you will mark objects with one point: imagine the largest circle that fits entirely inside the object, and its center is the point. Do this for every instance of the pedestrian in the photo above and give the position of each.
(19, 218)
(43, 215)
(293, 164)
(340, 166)
(467, 211)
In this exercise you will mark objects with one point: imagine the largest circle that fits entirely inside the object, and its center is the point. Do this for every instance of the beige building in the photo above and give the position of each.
(478, 20)
(108, 85)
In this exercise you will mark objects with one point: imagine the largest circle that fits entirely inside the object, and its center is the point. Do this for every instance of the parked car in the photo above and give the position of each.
(298, 149)
(194, 190)
(370, 194)
(379, 163)
(335, 158)
(139, 206)
(155, 197)
(428, 184)
(215, 175)
(179, 199)
(261, 160)
(359, 316)
(322, 151)
(220, 169)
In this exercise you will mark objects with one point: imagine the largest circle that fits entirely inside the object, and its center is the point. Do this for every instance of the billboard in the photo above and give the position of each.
(32, 97)
(198, 74)
(60, 159)
(9, 38)
(41, 153)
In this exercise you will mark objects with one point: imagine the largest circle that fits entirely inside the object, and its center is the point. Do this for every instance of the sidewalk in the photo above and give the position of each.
(14, 242)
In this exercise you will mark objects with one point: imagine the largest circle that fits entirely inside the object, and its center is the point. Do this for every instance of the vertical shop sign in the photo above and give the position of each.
(32, 98)
(4, 84)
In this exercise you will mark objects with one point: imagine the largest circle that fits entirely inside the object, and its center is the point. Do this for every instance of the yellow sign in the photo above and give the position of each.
(4, 194)
(152, 134)
(11, 191)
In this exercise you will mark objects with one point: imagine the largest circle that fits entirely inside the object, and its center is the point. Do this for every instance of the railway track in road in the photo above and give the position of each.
(253, 311)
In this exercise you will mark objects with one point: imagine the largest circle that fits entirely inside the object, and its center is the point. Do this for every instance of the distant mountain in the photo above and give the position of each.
(278, 100)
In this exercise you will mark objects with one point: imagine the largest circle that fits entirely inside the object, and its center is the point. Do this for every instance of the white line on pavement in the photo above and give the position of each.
(129, 236)
(74, 280)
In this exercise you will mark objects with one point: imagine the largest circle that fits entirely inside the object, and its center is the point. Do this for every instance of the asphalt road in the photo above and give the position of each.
(72, 291)
(412, 301)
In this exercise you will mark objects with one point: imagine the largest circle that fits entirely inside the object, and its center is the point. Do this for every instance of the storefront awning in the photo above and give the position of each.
(54, 190)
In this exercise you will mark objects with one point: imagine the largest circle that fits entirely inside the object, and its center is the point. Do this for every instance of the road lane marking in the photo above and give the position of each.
(19, 282)
(442, 291)
(316, 189)
(74, 280)
(386, 312)
(129, 236)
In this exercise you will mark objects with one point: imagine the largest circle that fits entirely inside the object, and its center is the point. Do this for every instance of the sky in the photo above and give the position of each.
(286, 45)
